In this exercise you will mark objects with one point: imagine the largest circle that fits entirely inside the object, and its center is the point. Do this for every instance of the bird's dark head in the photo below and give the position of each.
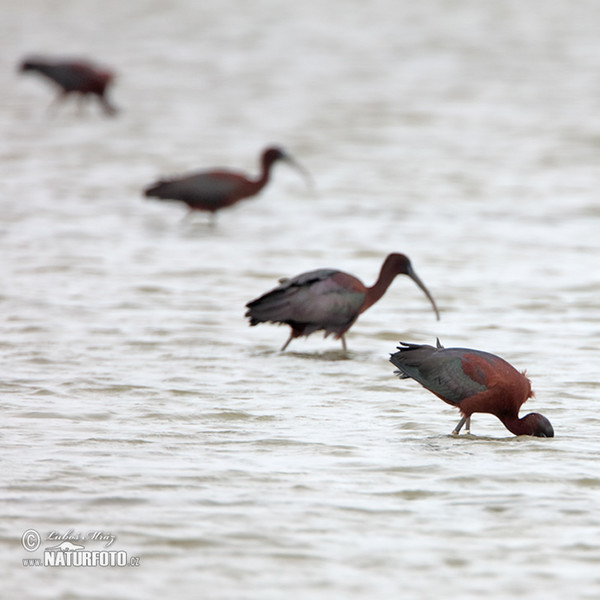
(538, 425)
(399, 264)
(274, 153)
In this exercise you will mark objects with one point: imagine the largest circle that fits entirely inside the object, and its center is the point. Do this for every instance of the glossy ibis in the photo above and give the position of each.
(213, 190)
(327, 299)
(74, 77)
(474, 381)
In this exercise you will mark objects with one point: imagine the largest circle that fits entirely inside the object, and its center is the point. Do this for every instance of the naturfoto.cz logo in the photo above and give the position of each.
(71, 551)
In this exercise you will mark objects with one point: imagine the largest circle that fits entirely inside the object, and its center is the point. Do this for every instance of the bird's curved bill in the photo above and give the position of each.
(294, 163)
(416, 279)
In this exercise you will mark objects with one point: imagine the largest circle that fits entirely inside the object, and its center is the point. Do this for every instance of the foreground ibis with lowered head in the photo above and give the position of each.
(74, 77)
(327, 299)
(475, 382)
(211, 191)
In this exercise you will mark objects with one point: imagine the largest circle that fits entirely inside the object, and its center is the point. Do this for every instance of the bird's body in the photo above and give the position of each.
(327, 299)
(213, 190)
(474, 381)
(209, 191)
(74, 77)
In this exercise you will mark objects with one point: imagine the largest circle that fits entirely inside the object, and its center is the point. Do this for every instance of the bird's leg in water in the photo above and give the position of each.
(458, 427)
(187, 216)
(81, 100)
(52, 107)
(344, 344)
(287, 342)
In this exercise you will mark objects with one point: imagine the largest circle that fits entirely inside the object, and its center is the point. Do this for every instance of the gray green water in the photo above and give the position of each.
(136, 401)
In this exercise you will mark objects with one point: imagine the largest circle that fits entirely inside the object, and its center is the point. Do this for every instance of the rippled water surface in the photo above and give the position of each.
(136, 400)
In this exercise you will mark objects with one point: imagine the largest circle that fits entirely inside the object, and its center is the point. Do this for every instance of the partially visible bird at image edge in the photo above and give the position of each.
(217, 189)
(74, 76)
(327, 299)
(475, 382)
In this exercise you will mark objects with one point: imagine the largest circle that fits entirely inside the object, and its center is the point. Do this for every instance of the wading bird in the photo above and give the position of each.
(213, 190)
(74, 77)
(474, 381)
(327, 299)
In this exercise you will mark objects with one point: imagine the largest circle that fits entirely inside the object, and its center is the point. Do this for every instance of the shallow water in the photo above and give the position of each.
(137, 402)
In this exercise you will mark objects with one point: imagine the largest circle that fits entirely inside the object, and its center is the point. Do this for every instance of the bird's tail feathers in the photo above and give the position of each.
(401, 375)
(161, 189)
(272, 307)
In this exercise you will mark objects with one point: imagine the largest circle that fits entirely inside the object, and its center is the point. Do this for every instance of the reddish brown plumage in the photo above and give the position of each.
(474, 381)
(327, 299)
(217, 189)
(74, 77)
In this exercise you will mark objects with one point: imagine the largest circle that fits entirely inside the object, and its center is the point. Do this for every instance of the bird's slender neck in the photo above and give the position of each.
(378, 289)
(265, 173)
(516, 425)
(531, 424)
(255, 185)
